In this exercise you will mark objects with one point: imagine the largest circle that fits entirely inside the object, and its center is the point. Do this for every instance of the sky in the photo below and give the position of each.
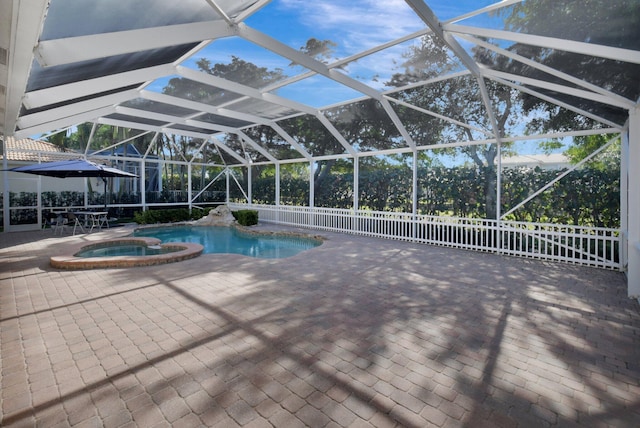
(354, 26)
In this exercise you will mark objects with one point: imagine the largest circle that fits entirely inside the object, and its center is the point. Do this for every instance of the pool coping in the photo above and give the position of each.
(69, 261)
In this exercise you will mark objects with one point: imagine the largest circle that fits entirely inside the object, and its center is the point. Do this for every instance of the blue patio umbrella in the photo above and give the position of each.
(75, 168)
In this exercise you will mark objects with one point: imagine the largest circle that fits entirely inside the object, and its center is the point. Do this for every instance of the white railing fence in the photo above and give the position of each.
(588, 246)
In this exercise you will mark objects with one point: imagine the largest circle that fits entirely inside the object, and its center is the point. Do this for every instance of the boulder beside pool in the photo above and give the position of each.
(220, 216)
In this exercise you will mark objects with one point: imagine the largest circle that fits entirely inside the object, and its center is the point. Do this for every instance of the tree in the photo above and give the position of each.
(237, 70)
(594, 21)
(460, 99)
(318, 49)
(60, 139)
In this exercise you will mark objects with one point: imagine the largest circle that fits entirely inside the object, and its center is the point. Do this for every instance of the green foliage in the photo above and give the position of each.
(168, 215)
(246, 217)
(586, 145)
(104, 136)
(592, 21)
(321, 50)
(589, 196)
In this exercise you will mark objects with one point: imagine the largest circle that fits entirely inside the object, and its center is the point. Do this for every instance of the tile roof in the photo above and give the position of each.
(29, 150)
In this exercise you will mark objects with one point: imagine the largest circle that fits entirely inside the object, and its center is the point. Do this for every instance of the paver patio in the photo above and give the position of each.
(357, 332)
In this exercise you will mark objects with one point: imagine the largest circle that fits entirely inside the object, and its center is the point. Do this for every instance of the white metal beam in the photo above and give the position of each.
(88, 144)
(253, 93)
(224, 112)
(246, 117)
(257, 147)
(319, 67)
(168, 130)
(303, 59)
(201, 107)
(26, 24)
(64, 122)
(82, 88)
(557, 102)
(146, 127)
(126, 124)
(489, 106)
(75, 49)
(343, 61)
(440, 116)
(192, 122)
(425, 13)
(259, 4)
(170, 120)
(219, 11)
(289, 139)
(563, 89)
(633, 205)
(397, 122)
(71, 111)
(487, 9)
(151, 145)
(215, 129)
(230, 152)
(199, 151)
(119, 143)
(144, 114)
(428, 81)
(177, 149)
(546, 69)
(561, 176)
(337, 135)
(589, 49)
(546, 136)
(238, 88)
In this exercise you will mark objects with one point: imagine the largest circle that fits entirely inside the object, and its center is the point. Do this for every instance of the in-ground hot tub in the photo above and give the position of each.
(125, 252)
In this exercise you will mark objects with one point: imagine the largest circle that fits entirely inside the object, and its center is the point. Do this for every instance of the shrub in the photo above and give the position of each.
(246, 217)
(168, 216)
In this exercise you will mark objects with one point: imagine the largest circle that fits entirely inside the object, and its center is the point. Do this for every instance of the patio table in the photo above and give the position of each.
(92, 220)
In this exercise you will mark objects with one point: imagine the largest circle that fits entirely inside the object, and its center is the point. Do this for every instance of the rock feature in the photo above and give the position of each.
(220, 216)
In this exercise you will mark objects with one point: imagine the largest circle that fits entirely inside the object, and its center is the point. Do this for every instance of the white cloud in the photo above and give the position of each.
(357, 25)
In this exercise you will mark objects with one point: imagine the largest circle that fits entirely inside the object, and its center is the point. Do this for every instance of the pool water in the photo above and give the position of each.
(220, 239)
(126, 250)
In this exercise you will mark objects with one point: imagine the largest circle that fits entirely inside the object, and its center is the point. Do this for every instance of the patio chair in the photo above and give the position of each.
(48, 220)
(103, 221)
(76, 222)
(58, 222)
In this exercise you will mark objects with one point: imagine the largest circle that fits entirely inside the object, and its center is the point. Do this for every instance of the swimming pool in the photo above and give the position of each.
(221, 239)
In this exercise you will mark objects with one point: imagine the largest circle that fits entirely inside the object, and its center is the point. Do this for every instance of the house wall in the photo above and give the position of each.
(546, 162)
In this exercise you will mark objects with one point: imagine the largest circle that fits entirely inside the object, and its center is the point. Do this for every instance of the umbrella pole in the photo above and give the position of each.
(104, 180)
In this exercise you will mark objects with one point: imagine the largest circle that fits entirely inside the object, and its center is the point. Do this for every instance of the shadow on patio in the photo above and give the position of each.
(355, 331)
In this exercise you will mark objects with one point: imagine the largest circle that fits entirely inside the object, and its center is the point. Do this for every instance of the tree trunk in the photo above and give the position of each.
(322, 172)
(490, 192)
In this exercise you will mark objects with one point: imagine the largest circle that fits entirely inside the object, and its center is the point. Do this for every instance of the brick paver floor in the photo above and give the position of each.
(357, 332)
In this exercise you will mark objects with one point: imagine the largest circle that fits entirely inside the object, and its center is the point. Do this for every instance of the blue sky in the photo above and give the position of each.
(354, 26)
